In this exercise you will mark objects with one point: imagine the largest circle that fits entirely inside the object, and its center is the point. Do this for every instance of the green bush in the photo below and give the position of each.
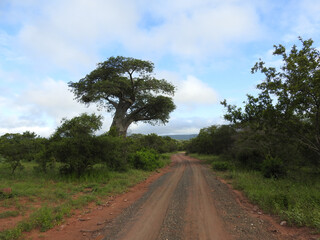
(74, 144)
(273, 167)
(221, 166)
(146, 159)
(250, 158)
(113, 152)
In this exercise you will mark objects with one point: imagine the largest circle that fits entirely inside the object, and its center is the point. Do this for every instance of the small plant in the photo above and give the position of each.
(273, 167)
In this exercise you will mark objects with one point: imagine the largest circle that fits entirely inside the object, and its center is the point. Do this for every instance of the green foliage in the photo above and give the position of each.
(59, 193)
(7, 214)
(155, 142)
(74, 145)
(113, 151)
(273, 167)
(127, 87)
(286, 111)
(294, 200)
(221, 166)
(16, 147)
(146, 159)
(250, 158)
(213, 140)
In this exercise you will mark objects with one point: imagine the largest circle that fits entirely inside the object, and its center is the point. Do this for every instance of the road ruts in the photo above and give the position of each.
(177, 206)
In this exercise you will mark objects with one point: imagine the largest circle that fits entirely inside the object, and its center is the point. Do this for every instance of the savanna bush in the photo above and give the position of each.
(250, 158)
(273, 167)
(221, 166)
(146, 159)
(113, 151)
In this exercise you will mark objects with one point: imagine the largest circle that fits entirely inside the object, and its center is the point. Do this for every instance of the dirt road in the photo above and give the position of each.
(182, 201)
(186, 203)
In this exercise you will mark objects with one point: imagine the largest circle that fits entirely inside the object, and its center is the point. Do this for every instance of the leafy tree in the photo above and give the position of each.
(213, 140)
(153, 141)
(127, 87)
(288, 105)
(16, 147)
(75, 145)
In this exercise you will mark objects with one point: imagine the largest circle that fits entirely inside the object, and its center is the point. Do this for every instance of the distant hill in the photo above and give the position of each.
(183, 136)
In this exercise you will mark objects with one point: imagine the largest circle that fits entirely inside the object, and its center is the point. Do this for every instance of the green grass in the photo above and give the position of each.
(7, 214)
(294, 201)
(295, 198)
(59, 195)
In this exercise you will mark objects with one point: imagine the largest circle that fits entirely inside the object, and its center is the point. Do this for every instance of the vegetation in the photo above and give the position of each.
(58, 194)
(70, 169)
(75, 166)
(273, 141)
(79, 168)
(127, 87)
(294, 198)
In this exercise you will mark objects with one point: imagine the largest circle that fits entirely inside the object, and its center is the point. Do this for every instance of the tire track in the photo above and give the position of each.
(177, 206)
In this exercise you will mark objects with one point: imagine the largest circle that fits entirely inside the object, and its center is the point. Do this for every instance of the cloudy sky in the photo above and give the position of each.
(205, 47)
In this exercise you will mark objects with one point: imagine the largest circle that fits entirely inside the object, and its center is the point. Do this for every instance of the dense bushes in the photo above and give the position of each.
(213, 140)
(155, 142)
(221, 166)
(252, 150)
(146, 159)
(16, 147)
(272, 167)
(75, 149)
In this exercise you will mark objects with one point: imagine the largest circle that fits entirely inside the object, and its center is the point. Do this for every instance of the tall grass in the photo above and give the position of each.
(295, 201)
(58, 195)
(295, 198)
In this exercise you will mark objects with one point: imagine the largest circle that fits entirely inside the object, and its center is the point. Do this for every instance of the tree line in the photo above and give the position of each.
(75, 149)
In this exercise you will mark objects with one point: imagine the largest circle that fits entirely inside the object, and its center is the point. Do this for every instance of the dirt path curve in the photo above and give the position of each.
(182, 205)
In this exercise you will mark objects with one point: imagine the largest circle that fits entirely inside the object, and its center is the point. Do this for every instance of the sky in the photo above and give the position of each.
(206, 48)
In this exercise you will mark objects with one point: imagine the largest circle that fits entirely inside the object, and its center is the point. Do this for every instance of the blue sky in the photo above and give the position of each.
(206, 48)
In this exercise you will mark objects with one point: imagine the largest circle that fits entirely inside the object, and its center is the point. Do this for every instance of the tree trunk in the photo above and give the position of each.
(120, 122)
(119, 127)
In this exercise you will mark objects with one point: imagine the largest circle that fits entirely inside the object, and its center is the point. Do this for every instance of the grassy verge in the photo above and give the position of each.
(294, 199)
(57, 196)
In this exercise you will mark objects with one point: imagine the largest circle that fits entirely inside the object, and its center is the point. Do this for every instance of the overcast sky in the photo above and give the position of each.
(204, 47)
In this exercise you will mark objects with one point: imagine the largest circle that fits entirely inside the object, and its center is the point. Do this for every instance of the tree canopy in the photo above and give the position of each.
(288, 105)
(127, 87)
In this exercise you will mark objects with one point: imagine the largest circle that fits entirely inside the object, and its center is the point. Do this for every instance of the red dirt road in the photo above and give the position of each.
(185, 201)
(201, 218)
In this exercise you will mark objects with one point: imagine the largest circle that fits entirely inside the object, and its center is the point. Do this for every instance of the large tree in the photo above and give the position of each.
(288, 105)
(126, 86)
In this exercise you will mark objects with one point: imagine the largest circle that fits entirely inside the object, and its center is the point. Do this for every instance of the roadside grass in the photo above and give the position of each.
(295, 198)
(49, 198)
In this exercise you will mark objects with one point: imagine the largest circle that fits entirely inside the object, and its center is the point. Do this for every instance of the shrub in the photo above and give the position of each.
(250, 158)
(221, 166)
(74, 144)
(146, 159)
(113, 152)
(273, 167)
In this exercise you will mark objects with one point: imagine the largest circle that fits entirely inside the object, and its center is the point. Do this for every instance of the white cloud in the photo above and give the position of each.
(53, 98)
(40, 108)
(198, 29)
(176, 125)
(192, 91)
(69, 34)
